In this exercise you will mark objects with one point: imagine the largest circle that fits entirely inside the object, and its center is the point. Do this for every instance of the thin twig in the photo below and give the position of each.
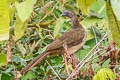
(87, 60)
(77, 67)
(95, 35)
(116, 65)
(95, 57)
(98, 56)
(92, 49)
(53, 70)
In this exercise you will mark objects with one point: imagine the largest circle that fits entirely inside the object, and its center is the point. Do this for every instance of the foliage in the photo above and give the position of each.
(84, 5)
(2, 59)
(4, 20)
(113, 23)
(29, 75)
(33, 24)
(104, 74)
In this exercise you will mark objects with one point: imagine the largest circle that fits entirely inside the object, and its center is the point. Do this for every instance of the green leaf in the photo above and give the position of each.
(90, 35)
(6, 77)
(4, 20)
(81, 53)
(114, 24)
(58, 26)
(2, 59)
(116, 8)
(19, 28)
(84, 5)
(10, 1)
(18, 59)
(89, 21)
(104, 74)
(24, 9)
(99, 6)
(30, 75)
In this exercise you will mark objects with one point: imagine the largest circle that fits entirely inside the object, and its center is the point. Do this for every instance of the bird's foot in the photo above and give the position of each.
(66, 55)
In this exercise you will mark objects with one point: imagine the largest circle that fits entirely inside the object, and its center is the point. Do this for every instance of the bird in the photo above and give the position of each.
(73, 39)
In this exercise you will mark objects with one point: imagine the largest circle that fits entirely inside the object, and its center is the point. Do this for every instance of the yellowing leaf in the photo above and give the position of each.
(104, 74)
(70, 67)
(19, 28)
(10, 1)
(116, 8)
(114, 24)
(24, 9)
(2, 59)
(58, 26)
(84, 5)
(4, 20)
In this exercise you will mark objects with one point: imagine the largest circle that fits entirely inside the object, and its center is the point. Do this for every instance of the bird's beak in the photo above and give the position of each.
(63, 14)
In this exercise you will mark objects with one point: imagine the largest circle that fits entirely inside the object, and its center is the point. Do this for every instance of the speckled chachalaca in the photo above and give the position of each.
(73, 39)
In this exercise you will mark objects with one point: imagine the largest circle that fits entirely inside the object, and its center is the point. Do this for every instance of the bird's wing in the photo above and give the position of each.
(69, 38)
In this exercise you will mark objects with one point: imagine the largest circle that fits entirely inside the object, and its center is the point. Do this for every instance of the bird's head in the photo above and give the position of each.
(68, 13)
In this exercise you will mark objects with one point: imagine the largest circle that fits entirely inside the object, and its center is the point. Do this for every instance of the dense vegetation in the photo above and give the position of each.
(28, 26)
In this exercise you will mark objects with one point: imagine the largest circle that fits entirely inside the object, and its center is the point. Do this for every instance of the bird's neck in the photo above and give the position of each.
(75, 22)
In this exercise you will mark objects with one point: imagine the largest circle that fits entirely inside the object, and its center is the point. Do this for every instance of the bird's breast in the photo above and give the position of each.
(76, 47)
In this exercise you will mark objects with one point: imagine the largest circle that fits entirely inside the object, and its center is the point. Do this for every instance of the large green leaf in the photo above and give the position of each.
(19, 28)
(4, 20)
(99, 7)
(11, 9)
(84, 5)
(90, 34)
(87, 23)
(2, 59)
(116, 8)
(6, 77)
(30, 75)
(11, 1)
(104, 74)
(24, 9)
(114, 24)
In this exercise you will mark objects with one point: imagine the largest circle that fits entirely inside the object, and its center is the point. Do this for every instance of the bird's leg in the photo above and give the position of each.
(65, 57)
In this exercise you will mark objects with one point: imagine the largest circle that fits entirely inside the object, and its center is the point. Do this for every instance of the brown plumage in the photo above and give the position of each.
(74, 39)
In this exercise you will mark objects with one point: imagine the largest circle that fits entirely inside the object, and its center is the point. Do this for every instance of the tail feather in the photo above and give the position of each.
(35, 61)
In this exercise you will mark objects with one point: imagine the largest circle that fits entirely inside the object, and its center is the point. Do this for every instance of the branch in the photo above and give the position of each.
(79, 66)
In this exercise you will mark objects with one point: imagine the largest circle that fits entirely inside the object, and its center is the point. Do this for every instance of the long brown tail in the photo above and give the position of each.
(35, 61)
